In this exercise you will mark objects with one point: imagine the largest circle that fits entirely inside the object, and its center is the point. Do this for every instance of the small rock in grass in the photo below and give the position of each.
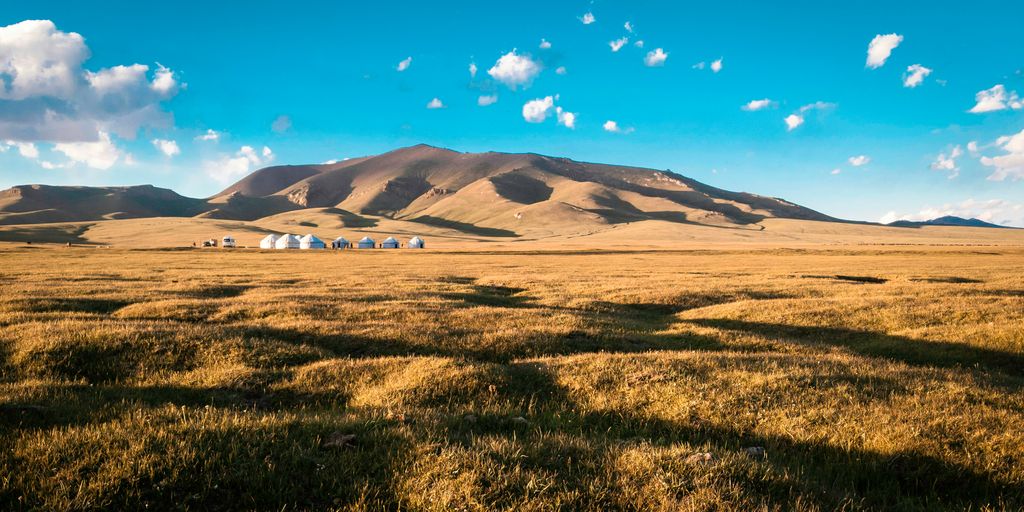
(519, 420)
(700, 458)
(338, 440)
(755, 452)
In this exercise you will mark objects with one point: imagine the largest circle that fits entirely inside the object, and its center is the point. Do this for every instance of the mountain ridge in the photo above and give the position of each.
(508, 192)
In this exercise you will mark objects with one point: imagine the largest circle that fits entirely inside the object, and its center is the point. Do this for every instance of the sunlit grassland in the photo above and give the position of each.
(873, 379)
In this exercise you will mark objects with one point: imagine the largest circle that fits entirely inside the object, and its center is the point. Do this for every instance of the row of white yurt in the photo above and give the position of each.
(268, 242)
(310, 241)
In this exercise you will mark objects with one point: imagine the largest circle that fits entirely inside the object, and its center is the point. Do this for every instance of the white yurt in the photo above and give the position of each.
(367, 243)
(268, 242)
(415, 243)
(287, 242)
(389, 243)
(340, 243)
(311, 242)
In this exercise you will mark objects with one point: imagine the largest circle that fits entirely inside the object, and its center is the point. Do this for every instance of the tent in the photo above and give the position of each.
(415, 243)
(287, 242)
(268, 242)
(311, 242)
(340, 243)
(389, 243)
(367, 243)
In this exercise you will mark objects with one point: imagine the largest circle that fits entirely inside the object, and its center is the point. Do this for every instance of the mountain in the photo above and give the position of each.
(487, 194)
(948, 220)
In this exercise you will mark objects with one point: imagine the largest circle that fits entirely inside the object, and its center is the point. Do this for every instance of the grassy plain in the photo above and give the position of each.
(873, 378)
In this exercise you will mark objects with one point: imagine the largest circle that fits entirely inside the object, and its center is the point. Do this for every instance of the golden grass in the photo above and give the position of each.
(874, 379)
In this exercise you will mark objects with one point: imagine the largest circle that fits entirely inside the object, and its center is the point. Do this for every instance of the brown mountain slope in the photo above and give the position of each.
(491, 194)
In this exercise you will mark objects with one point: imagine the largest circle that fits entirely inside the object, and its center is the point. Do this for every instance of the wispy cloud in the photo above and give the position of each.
(404, 64)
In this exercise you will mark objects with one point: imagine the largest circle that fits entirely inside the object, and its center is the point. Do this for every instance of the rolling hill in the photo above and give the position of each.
(484, 194)
(948, 220)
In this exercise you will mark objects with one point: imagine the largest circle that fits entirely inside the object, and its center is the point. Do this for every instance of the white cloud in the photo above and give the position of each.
(859, 160)
(281, 124)
(50, 165)
(560, 70)
(947, 162)
(167, 147)
(639, 43)
(49, 96)
(972, 146)
(435, 103)
(699, 65)
(656, 57)
(544, 44)
(880, 48)
(628, 26)
(996, 98)
(995, 211)
(404, 64)
(754, 105)
(472, 70)
(486, 100)
(915, 75)
(210, 135)
(793, 121)
(836, 171)
(25, 149)
(536, 111)
(716, 66)
(618, 43)
(101, 154)
(1011, 164)
(613, 127)
(230, 168)
(566, 118)
(588, 18)
(515, 70)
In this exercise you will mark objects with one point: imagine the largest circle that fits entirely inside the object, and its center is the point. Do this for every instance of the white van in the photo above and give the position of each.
(228, 242)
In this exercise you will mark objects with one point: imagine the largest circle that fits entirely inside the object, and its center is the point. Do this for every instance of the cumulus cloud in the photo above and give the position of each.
(435, 103)
(566, 118)
(47, 95)
(994, 99)
(716, 66)
(536, 111)
(100, 154)
(25, 149)
(486, 100)
(972, 146)
(996, 211)
(656, 57)
(281, 124)
(167, 147)
(859, 160)
(793, 121)
(915, 75)
(946, 162)
(588, 18)
(1011, 164)
(880, 48)
(613, 127)
(639, 43)
(210, 135)
(515, 70)
(544, 44)
(404, 64)
(618, 43)
(227, 169)
(560, 70)
(754, 105)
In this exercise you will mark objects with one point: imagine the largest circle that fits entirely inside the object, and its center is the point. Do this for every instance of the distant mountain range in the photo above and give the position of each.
(948, 220)
(474, 192)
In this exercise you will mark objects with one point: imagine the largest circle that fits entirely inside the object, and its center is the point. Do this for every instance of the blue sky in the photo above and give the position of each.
(310, 82)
